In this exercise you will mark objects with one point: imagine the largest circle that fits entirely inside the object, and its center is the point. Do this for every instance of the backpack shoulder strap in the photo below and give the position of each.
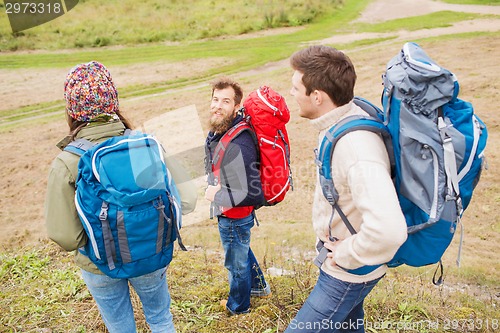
(368, 107)
(79, 146)
(216, 158)
(224, 142)
(325, 153)
(324, 162)
(333, 135)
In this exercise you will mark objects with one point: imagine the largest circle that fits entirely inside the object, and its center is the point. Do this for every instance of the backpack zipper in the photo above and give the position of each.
(144, 138)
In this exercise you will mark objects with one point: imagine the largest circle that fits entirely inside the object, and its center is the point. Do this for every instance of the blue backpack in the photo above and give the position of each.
(436, 146)
(128, 204)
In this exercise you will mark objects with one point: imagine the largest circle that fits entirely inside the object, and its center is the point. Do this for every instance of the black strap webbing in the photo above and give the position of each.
(440, 279)
(344, 218)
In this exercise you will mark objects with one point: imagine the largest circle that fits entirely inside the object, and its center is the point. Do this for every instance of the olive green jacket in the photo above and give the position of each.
(61, 218)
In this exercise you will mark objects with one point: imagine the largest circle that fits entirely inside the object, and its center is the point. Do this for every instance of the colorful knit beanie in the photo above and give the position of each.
(89, 92)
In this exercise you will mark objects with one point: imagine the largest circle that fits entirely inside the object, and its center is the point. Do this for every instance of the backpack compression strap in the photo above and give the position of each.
(170, 221)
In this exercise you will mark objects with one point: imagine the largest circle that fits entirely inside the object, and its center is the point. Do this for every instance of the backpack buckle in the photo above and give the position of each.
(316, 159)
(159, 203)
(103, 215)
(329, 190)
(460, 207)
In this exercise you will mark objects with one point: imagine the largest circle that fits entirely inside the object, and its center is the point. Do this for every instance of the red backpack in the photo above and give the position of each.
(265, 113)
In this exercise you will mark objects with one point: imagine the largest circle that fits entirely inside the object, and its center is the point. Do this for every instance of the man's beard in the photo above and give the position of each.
(218, 125)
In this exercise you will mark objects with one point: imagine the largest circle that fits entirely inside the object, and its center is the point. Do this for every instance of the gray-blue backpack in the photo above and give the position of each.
(128, 204)
(436, 146)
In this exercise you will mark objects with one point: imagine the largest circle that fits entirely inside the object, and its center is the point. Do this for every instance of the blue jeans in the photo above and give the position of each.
(245, 275)
(113, 300)
(333, 306)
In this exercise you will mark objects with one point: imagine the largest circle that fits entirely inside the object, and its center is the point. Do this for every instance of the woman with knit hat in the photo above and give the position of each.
(92, 113)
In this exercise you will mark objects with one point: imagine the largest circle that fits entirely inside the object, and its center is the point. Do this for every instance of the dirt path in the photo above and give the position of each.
(384, 10)
(25, 164)
(404, 35)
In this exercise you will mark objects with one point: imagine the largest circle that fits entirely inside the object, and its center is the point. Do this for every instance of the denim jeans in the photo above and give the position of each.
(245, 276)
(333, 306)
(113, 300)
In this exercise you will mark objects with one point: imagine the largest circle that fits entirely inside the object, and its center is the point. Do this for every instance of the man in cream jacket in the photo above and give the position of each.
(323, 86)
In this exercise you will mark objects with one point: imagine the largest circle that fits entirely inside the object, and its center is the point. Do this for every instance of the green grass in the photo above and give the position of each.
(31, 110)
(129, 22)
(35, 289)
(262, 49)
(41, 288)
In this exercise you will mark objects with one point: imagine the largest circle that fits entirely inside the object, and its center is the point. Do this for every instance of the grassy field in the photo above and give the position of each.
(95, 23)
(40, 288)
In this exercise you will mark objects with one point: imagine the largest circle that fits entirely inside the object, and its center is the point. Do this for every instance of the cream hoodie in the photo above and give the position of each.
(361, 174)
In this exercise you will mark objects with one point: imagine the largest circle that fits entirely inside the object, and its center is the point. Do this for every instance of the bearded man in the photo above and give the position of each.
(234, 189)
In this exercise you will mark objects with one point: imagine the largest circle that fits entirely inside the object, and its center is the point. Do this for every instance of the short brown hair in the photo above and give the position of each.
(225, 82)
(326, 69)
